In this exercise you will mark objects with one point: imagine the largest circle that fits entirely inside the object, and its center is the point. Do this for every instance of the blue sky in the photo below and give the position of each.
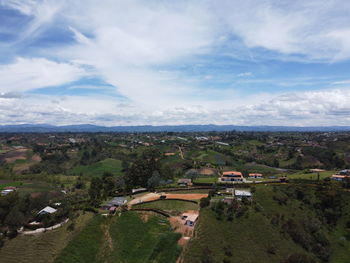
(160, 62)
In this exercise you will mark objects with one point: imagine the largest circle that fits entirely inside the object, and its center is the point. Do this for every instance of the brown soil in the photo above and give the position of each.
(36, 158)
(179, 226)
(12, 156)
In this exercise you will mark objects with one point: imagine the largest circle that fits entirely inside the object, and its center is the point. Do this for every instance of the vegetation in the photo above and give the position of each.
(173, 206)
(41, 248)
(306, 220)
(128, 238)
(282, 224)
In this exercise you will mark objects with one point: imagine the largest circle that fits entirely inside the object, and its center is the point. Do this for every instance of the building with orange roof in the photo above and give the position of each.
(255, 175)
(232, 176)
(341, 175)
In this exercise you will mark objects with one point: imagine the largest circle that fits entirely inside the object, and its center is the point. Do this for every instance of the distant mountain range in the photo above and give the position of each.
(46, 128)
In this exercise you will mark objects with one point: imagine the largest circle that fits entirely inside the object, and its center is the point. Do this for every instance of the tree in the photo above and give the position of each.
(153, 181)
(95, 191)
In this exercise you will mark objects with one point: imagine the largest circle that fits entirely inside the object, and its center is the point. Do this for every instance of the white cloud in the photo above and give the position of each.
(328, 107)
(315, 29)
(28, 74)
(137, 47)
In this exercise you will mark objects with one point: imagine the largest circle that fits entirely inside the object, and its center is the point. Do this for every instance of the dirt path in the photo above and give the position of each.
(146, 197)
(181, 153)
(156, 196)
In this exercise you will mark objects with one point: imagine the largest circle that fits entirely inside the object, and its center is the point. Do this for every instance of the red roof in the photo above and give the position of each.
(113, 208)
(232, 173)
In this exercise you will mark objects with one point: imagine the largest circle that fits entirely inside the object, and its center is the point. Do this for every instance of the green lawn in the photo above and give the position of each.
(206, 179)
(123, 239)
(97, 169)
(170, 205)
(42, 247)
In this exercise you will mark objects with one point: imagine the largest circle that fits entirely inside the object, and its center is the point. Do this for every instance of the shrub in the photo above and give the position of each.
(204, 202)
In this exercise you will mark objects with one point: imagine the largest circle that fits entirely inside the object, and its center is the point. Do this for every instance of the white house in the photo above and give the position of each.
(240, 194)
(47, 210)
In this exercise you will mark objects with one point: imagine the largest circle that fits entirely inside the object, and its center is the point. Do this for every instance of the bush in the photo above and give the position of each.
(204, 202)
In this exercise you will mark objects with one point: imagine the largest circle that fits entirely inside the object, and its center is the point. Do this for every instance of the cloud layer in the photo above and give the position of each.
(227, 62)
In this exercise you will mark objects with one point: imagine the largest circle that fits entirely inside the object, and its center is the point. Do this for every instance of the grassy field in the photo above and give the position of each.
(170, 205)
(86, 245)
(6, 184)
(97, 169)
(311, 176)
(146, 239)
(42, 247)
(258, 235)
(128, 238)
(27, 187)
(206, 179)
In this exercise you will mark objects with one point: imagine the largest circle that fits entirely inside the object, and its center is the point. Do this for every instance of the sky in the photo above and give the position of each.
(166, 62)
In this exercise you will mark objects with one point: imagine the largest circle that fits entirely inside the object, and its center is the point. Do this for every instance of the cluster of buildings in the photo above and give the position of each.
(234, 176)
(114, 203)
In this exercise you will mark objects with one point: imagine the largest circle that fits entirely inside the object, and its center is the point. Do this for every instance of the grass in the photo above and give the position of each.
(126, 238)
(170, 205)
(97, 169)
(42, 247)
(310, 176)
(15, 184)
(206, 179)
(148, 240)
(85, 246)
(27, 187)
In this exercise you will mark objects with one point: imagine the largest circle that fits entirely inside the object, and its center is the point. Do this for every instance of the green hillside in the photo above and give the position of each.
(128, 238)
(97, 169)
(281, 224)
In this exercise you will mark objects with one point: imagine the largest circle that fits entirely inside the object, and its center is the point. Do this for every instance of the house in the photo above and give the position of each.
(255, 175)
(47, 210)
(116, 201)
(190, 218)
(338, 177)
(184, 182)
(232, 176)
(241, 194)
(341, 175)
(8, 190)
